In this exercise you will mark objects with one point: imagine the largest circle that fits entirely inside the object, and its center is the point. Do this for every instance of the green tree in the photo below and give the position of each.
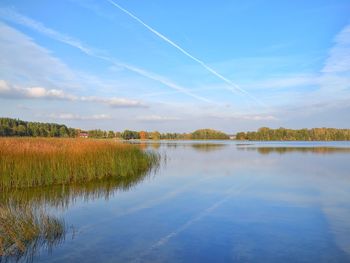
(129, 135)
(155, 135)
(209, 134)
(111, 134)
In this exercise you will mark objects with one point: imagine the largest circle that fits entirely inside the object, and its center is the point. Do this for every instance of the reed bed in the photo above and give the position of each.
(30, 162)
(25, 230)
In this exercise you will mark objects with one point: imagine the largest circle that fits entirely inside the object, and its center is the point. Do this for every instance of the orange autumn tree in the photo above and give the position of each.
(143, 135)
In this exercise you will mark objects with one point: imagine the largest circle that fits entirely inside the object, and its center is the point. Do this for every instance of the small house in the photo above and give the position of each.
(83, 135)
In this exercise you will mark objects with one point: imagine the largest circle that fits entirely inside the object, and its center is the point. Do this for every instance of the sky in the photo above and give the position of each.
(176, 66)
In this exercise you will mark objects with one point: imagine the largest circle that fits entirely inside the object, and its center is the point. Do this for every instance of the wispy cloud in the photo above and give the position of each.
(77, 117)
(320, 92)
(257, 117)
(13, 16)
(339, 55)
(15, 92)
(157, 118)
(25, 61)
(23, 20)
(115, 102)
(281, 82)
(245, 117)
(167, 83)
(232, 86)
(334, 79)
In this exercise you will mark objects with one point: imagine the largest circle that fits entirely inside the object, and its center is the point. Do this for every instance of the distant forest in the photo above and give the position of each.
(282, 134)
(14, 127)
(19, 128)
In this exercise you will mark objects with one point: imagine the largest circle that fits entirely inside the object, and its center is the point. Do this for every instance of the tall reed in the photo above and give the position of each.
(29, 162)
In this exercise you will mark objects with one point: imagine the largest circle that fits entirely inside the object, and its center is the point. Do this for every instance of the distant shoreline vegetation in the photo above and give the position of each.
(282, 134)
(18, 128)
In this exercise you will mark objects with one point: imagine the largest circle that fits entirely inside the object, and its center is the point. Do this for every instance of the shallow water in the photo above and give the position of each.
(211, 201)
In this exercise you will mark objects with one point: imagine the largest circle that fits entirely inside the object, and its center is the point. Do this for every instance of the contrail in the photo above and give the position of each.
(234, 87)
(166, 82)
(37, 26)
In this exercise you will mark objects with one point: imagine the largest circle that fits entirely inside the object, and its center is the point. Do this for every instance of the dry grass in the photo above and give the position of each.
(29, 162)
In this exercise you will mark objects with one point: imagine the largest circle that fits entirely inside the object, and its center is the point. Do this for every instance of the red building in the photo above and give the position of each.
(83, 135)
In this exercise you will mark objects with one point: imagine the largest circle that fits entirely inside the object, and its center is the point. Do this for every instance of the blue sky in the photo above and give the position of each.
(176, 66)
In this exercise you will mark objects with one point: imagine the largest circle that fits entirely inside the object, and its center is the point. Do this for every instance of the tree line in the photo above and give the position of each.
(16, 127)
(282, 134)
(202, 134)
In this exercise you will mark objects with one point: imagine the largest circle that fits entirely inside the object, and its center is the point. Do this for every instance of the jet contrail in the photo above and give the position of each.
(166, 82)
(152, 76)
(37, 26)
(234, 87)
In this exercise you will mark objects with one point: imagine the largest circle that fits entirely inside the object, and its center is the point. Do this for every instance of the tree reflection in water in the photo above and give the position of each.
(283, 150)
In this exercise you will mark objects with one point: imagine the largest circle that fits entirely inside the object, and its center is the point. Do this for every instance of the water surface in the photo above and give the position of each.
(210, 202)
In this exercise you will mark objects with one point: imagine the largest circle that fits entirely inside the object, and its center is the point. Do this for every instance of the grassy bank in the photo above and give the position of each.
(29, 162)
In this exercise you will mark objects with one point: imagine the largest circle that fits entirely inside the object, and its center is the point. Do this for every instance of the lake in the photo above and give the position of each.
(212, 201)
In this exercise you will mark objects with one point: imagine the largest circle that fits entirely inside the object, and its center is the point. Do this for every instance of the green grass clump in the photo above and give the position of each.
(29, 162)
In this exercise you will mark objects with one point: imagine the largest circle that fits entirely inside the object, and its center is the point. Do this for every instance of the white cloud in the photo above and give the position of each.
(115, 102)
(335, 78)
(24, 61)
(4, 87)
(16, 92)
(34, 64)
(72, 116)
(329, 87)
(258, 117)
(13, 16)
(339, 55)
(289, 81)
(157, 118)
(47, 78)
(249, 117)
(20, 19)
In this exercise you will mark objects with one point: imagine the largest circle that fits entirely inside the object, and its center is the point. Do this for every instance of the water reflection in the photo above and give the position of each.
(201, 146)
(26, 228)
(212, 202)
(198, 146)
(284, 150)
(24, 231)
(61, 196)
(208, 147)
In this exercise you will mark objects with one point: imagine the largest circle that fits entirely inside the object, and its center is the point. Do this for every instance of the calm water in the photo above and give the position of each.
(211, 202)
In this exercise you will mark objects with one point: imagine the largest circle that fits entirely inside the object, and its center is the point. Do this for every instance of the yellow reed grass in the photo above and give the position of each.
(29, 162)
